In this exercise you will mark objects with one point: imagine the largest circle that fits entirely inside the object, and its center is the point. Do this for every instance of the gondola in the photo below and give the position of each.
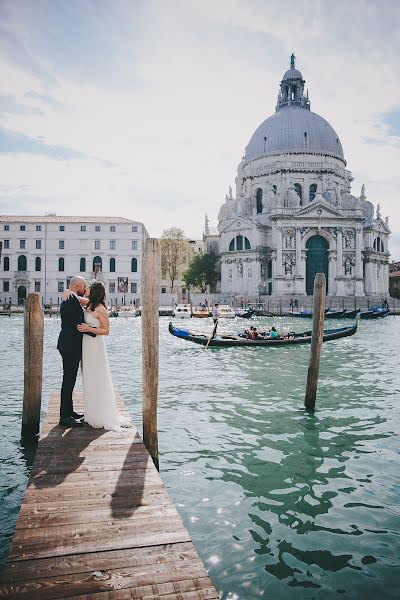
(375, 313)
(245, 314)
(351, 314)
(332, 314)
(224, 341)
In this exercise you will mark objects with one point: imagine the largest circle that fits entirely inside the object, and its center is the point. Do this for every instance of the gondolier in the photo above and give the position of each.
(215, 312)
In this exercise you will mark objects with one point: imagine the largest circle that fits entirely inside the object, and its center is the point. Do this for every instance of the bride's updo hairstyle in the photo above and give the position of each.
(97, 294)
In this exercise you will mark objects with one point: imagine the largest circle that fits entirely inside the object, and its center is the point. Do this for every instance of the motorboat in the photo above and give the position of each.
(225, 312)
(200, 312)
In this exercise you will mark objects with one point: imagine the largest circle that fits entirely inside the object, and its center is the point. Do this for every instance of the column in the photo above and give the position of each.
(339, 253)
(358, 253)
(359, 291)
(298, 252)
(279, 252)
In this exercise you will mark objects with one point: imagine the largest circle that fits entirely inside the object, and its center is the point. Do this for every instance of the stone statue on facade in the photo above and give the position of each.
(293, 199)
(378, 211)
(330, 192)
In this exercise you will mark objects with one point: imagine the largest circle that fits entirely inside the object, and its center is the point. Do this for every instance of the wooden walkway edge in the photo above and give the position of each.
(97, 522)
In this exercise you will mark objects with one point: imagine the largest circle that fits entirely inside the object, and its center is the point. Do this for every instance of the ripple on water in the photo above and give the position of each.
(279, 503)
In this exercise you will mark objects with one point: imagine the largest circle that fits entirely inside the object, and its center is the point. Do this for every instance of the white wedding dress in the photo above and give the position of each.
(98, 392)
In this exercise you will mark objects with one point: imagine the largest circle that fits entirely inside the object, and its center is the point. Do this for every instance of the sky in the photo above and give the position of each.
(142, 108)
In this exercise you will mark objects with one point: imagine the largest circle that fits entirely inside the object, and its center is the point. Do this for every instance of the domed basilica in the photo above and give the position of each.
(293, 213)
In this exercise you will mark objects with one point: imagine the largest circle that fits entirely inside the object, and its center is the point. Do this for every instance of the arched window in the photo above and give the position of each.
(250, 273)
(134, 265)
(61, 264)
(97, 264)
(299, 191)
(230, 274)
(259, 197)
(82, 265)
(6, 263)
(312, 191)
(22, 263)
(38, 263)
(112, 265)
(274, 188)
(239, 242)
(378, 245)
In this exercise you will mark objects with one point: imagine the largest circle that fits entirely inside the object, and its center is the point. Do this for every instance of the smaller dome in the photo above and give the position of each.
(292, 74)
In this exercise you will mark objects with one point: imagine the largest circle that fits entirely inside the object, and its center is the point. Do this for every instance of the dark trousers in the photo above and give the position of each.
(70, 371)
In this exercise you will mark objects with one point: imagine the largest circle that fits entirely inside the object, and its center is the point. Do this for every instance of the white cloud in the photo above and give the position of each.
(199, 78)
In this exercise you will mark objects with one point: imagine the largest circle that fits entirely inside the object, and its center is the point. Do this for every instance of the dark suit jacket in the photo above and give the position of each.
(70, 339)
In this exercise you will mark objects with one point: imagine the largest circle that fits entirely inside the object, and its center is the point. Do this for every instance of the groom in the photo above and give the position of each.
(70, 347)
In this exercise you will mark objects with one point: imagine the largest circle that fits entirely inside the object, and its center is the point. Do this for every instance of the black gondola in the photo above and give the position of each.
(245, 314)
(351, 314)
(375, 313)
(224, 341)
(332, 314)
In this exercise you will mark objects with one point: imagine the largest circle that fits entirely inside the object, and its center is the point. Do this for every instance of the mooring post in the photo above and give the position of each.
(316, 340)
(150, 344)
(33, 366)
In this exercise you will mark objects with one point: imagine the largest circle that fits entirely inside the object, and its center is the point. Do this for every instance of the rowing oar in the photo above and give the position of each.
(212, 335)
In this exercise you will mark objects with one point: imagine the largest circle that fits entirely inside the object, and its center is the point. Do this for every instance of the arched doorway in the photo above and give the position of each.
(317, 261)
(21, 294)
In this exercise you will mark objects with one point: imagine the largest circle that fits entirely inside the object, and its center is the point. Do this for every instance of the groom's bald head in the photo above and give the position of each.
(78, 285)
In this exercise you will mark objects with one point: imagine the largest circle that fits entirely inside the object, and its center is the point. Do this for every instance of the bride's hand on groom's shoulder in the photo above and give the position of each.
(67, 294)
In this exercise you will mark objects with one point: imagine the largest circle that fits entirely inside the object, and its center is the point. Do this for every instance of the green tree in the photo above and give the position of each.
(173, 253)
(201, 271)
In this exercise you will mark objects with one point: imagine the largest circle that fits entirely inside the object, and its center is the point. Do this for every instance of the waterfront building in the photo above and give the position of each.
(293, 215)
(41, 254)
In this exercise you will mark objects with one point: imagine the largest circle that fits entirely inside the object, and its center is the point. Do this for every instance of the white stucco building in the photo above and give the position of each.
(293, 213)
(41, 254)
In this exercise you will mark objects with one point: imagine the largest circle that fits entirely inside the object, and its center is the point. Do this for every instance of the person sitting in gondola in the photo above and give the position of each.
(273, 333)
(251, 333)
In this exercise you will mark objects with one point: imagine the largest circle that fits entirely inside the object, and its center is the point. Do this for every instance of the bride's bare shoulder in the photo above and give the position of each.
(101, 309)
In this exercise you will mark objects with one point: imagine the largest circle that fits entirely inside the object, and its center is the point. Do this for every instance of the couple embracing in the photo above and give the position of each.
(84, 323)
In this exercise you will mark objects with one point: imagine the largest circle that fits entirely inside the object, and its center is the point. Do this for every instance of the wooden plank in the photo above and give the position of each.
(97, 522)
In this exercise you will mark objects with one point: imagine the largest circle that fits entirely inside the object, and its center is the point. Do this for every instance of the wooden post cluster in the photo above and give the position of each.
(33, 365)
(316, 340)
(151, 279)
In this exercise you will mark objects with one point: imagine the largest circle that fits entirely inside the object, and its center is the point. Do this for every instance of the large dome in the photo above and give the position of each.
(294, 129)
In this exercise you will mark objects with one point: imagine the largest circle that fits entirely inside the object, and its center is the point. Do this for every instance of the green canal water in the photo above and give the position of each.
(279, 503)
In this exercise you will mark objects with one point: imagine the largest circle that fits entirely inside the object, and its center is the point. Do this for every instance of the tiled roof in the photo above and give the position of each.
(63, 219)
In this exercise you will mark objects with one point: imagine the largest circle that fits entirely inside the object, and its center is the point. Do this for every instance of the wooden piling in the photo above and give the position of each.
(33, 365)
(150, 344)
(316, 340)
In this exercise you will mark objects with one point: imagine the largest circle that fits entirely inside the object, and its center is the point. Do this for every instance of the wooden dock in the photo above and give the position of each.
(97, 522)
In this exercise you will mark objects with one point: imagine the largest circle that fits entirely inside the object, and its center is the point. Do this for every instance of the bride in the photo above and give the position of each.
(98, 391)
